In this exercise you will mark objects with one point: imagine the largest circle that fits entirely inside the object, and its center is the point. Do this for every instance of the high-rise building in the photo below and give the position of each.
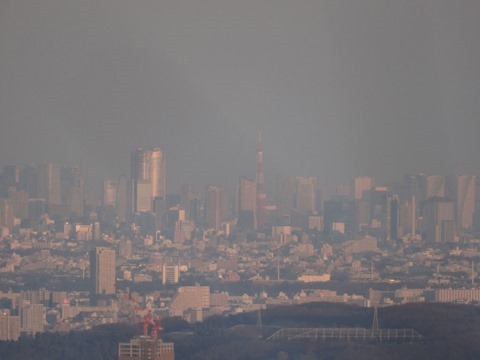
(72, 189)
(102, 271)
(121, 198)
(9, 326)
(190, 297)
(6, 213)
(260, 206)
(439, 216)
(9, 178)
(28, 180)
(464, 194)
(306, 195)
(284, 198)
(109, 193)
(148, 178)
(432, 186)
(190, 201)
(33, 318)
(48, 184)
(360, 184)
(146, 348)
(19, 202)
(170, 274)
(247, 204)
(214, 206)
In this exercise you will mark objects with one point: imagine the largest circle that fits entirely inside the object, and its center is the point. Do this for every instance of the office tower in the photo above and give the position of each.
(407, 217)
(19, 201)
(121, 198)
(28, 180)
(146, 348)
(214, 206)
(109, 193)
(392, 217)
(48, 184)
(360, 184)
(9, 178)
(36, 208)
(306, 195)
(247, 189)
(72, 189)
(6, 213)
(340, 210)
(33, 318)
(102, 270)
(464, 194)
(9, 326)
(260, 211)
(284, 198)
(190, 297)
(148, 178)
(439, 217)
(170, 274)
(432, 186)
(190, 201)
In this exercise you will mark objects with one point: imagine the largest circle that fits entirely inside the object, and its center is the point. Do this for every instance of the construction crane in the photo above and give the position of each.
(156, 325)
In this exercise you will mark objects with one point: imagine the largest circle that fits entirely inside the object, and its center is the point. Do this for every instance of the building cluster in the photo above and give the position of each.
(141, 249)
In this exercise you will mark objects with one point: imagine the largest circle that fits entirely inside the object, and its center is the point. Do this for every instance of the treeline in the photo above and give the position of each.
(100, 343)
(450, 332)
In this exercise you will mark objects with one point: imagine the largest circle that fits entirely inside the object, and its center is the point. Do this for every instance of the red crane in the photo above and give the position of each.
(156, 325)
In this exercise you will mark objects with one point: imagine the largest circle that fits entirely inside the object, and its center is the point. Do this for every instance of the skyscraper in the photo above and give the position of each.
(247, 204)
(102, 270)
(284, 198)
(214, 200)
(306, 195)
(121, 198)
(48, 184)
(465, 200)
(439, 215)
(360, 184)
(148, 178)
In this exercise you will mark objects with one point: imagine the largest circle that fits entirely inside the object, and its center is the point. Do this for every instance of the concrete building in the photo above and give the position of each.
(214, 200)
(102, 271)
(146, 348)
(190, 297)
(464, 194)
(439, 217)
(306, 195)
(48, 184)
(33, 318)
(9, 326)
(147, 179)
(246, 203)
(360, 184)
(284, 197)
(170, 274)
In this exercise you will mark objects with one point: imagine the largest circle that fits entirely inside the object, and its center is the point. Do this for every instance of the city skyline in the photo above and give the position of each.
(339, 89)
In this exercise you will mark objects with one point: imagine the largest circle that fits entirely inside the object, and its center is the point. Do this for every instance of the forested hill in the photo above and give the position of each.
(450, 332)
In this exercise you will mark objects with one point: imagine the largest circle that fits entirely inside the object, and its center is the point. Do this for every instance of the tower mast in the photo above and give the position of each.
(260, 213)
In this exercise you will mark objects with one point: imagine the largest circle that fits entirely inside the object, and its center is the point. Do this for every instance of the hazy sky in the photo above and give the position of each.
(340, 87)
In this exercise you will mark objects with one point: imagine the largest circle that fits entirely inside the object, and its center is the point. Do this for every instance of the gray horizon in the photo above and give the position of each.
(339, 88)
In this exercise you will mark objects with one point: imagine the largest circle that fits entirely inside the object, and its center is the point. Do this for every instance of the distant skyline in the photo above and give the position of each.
(340, 89)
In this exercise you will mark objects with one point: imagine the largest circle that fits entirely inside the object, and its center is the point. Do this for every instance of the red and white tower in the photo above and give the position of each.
(260, 212)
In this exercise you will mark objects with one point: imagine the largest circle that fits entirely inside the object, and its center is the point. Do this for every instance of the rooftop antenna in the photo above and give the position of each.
(473, 274)
(375, 318)
(259, 318)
